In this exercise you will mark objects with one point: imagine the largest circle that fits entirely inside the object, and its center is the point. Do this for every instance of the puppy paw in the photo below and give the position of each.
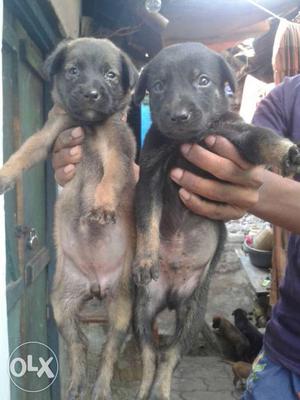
(6, 184)
(101, 216)
(144, 270)
(99, 394)
(76, 392)
(291, 161)
(158, 396)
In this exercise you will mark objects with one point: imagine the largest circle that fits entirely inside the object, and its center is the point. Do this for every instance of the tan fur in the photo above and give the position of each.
(276, 153)
(94, 229)
(35, 149)
(231, 333)
(241, 371)
(149, 361)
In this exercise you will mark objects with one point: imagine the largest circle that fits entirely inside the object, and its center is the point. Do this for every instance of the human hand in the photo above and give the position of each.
(67, 152)
(229, 199)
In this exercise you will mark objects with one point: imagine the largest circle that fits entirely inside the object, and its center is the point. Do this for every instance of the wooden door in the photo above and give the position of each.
(27, 207)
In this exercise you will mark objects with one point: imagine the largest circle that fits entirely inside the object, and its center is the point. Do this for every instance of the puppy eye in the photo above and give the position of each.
(158, 87)
(111, 75)
(73, 71)
(203, 80)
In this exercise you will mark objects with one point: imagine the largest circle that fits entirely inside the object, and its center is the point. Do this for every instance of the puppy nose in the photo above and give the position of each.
(92, 95)
(181, 115)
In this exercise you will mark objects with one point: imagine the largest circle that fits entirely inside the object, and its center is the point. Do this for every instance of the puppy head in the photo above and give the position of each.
(216, 322)
(92, 78)
(186, 85)
(239, 313)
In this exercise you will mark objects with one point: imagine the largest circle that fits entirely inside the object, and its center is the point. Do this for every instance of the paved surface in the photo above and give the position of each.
(196, 378)
(203, 378)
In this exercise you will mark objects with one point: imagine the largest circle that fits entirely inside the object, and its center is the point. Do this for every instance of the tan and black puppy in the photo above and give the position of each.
(94, 230)
(241, 371)
(177, 251)
(231, 333)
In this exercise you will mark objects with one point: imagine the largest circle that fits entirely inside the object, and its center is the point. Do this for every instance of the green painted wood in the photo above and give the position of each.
(39, 20)
(25, 97)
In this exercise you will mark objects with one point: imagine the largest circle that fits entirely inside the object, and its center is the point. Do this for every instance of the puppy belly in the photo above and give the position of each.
(98, 255)
(185, 259)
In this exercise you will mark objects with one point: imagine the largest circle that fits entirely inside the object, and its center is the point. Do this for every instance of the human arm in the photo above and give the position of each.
(244, 188)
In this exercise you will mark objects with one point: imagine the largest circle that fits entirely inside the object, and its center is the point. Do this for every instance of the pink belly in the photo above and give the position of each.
(100, 259)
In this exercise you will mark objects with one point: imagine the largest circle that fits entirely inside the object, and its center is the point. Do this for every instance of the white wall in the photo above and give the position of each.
(4, 377)
(68, 13)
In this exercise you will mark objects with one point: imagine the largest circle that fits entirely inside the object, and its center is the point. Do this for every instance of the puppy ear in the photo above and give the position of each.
(227, 74)
(129, 73)
(141, 87)
(55, 60)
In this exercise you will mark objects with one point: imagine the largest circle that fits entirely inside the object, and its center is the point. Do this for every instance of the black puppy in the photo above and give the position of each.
(250, 331)
(175, 247)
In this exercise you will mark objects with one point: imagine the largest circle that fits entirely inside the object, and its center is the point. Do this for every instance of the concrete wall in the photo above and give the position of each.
(69, 13)
(4, 357)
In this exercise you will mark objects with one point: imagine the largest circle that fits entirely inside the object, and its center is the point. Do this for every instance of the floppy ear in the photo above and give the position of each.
(140, 89)
(129, 74)
(54, 61)
(227, 74)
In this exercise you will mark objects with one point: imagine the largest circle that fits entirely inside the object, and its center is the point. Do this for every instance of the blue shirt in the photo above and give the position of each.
(280, 111)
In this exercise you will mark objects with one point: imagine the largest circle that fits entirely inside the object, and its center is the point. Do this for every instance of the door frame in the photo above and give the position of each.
(42, 25)
(4, 348)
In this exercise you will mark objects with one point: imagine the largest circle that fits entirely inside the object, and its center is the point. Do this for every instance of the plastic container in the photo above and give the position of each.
(259, 258)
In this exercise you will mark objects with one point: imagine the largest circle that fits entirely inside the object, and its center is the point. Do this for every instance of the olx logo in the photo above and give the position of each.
(33, 367)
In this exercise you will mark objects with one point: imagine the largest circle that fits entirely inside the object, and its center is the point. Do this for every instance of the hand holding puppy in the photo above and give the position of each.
(229, 199)
(225, 200)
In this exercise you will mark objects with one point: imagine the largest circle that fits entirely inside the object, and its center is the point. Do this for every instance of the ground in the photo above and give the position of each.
(197, 378)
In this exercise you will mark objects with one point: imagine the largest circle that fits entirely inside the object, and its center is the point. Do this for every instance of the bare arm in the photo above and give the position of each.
(245, 188)
(279, 202)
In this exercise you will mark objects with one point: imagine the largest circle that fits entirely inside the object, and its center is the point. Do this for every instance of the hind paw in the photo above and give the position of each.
(99, 394)
(101, 216)
(145, 270)
(76, 392)
(291, 162)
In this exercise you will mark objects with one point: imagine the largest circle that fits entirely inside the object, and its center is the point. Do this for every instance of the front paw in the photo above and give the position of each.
(101, 216)
(291, 161)
(6, 184)
(144, 270)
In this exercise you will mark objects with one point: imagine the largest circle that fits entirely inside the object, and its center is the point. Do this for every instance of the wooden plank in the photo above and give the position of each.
(257, 276)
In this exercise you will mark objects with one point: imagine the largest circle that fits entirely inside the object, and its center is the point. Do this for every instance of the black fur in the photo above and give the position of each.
(186, 85)
(254, 336)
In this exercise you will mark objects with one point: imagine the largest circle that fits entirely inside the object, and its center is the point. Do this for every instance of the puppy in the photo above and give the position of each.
(177, 251)
(250, 331)
(92, 81)
(241, 371)
(233, 336)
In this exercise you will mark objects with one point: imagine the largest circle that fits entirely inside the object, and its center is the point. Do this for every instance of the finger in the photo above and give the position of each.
(222, 146)
(136, 172)
(243, 197)
(222, 168)
(65, 174)
(69, 138)
(216, 211)
(66, 156)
